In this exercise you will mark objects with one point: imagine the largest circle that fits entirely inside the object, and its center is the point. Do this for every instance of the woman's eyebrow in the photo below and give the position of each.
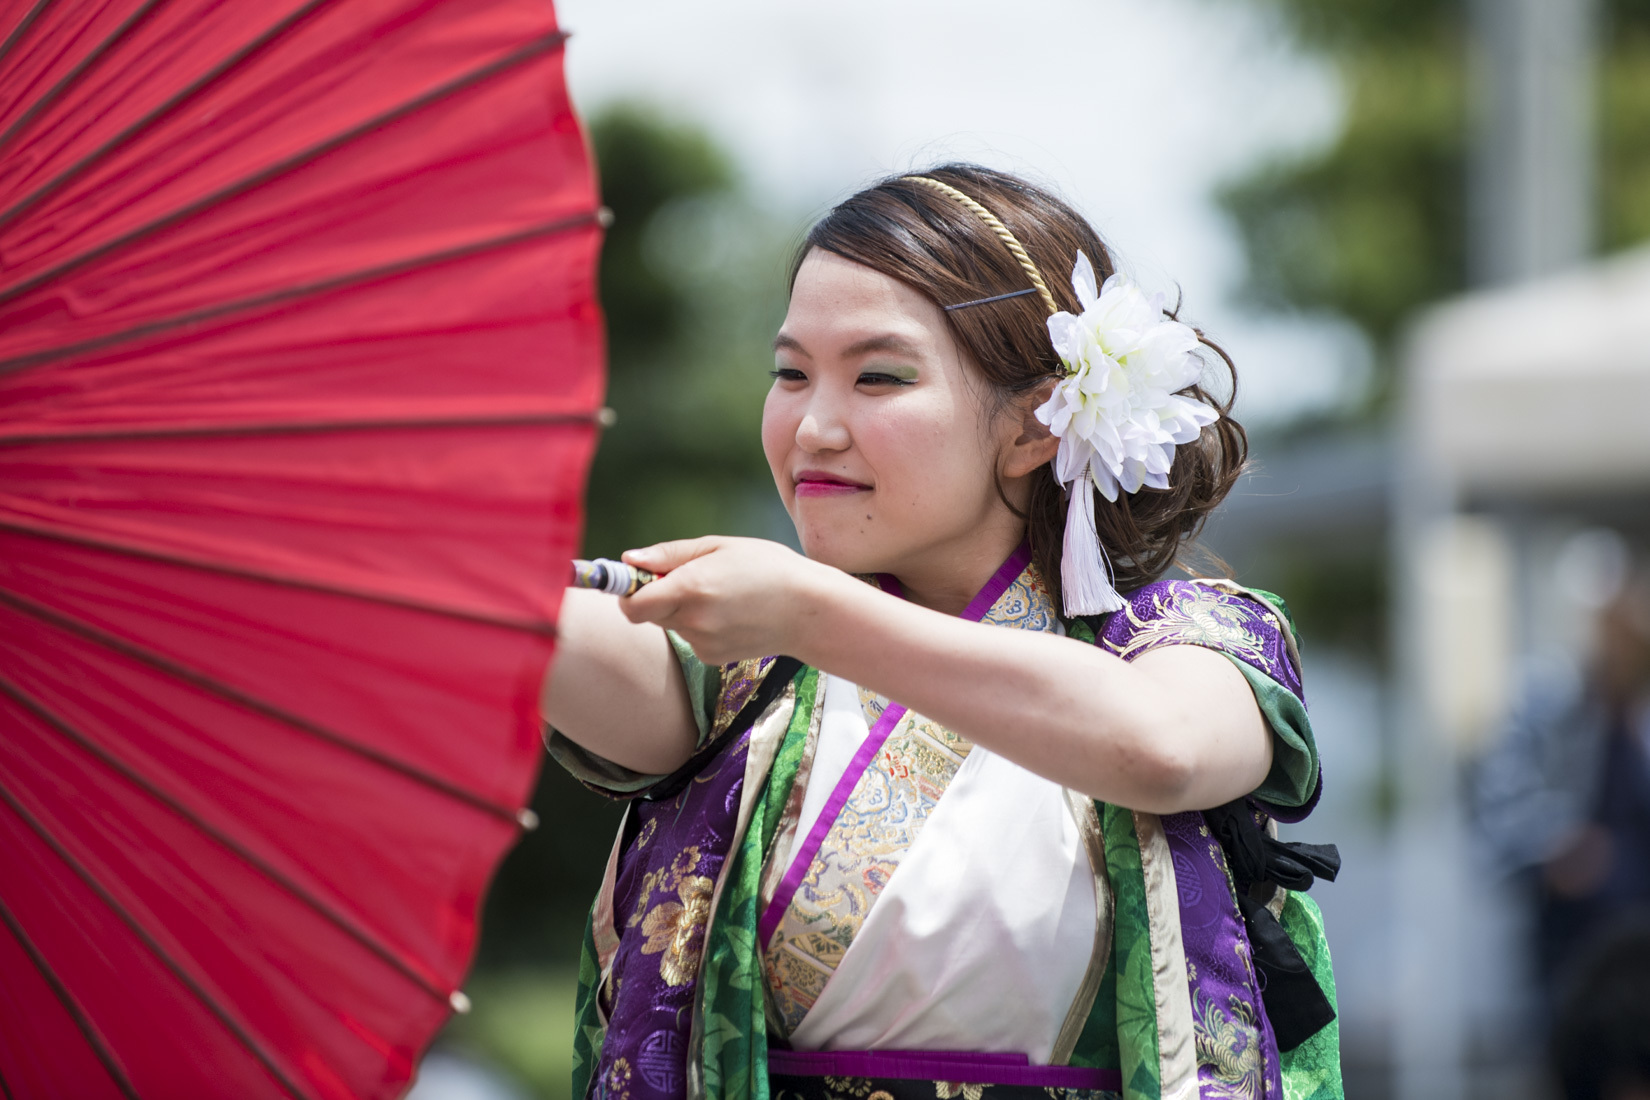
(887, 342)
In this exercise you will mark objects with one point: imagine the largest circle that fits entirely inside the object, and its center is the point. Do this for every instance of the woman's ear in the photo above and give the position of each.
(1034, 444)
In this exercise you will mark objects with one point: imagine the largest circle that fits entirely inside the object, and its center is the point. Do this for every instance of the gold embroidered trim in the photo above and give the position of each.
(603, 923)
(1176, 1034)
(1094, 844)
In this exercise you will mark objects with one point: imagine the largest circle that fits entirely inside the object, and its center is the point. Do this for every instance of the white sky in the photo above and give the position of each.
(1133, 109)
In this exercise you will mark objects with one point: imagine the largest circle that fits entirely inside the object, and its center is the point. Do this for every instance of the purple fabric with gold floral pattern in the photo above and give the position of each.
(1200, 613)
(1236, 1052)
(661, 903)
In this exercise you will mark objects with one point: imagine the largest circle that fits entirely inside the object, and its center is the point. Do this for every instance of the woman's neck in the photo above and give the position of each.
(946, 579)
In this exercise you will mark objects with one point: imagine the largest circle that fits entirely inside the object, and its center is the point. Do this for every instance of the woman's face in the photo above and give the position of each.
(877, 430)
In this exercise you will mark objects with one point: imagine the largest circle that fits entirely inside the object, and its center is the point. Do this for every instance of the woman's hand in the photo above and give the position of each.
(731, 598)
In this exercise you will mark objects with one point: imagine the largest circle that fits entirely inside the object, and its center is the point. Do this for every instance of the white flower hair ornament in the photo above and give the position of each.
(1117, 415)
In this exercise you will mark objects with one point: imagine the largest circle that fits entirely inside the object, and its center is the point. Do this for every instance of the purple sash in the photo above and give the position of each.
(966, 1067)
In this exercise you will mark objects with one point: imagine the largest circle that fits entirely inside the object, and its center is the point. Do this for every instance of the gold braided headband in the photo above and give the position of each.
(1001, 230)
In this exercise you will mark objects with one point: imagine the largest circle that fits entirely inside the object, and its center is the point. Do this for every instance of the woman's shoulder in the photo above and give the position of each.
(1246, 624)
(1251, 628)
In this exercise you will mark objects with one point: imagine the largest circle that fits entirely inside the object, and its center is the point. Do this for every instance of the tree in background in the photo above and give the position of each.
(692, 284)
(1375, 226)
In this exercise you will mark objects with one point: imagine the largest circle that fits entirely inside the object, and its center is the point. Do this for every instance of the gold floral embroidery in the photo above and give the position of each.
(650, 883)
(946, 1090)
(1228, 1046)
(616, 1086)
(1193, 614)
(739, 682)
(849, 1086)
(676, 929)
(647, 832)
(668, 879)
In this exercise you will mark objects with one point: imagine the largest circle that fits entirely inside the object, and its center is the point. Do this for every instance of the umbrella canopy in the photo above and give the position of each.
(299, 371)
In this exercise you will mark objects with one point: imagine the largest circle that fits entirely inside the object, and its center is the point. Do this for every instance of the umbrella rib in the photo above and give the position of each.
(94, 1038)
(22, 28)
(125, 549)
(306, 290)
(195, 678)
(509, 61)
(269, 37)
(187, 980)
(74, 74)
(344, 924)
(217, 431)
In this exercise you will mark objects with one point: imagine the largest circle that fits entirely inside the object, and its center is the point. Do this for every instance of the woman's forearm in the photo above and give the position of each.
(1176, 729)
(615, 688)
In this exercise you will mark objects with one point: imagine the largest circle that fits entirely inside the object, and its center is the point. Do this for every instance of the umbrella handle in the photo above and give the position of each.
(606, 575)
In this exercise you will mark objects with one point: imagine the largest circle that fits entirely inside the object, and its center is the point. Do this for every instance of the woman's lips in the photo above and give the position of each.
(822, 485)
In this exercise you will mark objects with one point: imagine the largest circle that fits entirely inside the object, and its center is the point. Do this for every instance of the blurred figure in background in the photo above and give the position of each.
(1564, 797)
(1601, 1039)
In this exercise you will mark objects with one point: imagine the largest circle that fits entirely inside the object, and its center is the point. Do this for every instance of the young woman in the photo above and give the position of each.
(987, 826)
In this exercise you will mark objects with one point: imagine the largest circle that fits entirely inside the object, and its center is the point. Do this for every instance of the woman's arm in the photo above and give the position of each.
(615, 687)
(1176, 729)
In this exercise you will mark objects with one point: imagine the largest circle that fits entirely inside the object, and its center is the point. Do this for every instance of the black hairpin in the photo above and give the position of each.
(993, 298)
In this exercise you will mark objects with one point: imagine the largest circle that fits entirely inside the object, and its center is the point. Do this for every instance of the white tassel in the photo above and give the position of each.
(1085, 574)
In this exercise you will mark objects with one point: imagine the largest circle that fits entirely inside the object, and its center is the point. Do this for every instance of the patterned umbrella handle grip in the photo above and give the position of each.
(614, 577)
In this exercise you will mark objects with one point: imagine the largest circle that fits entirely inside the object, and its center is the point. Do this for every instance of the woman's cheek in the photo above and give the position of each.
(778, 436)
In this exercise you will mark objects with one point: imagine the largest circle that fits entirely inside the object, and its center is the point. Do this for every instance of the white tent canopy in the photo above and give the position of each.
(1539, 387)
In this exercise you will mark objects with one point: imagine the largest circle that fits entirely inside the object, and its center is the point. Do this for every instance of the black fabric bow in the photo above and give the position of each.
(1295, 1003)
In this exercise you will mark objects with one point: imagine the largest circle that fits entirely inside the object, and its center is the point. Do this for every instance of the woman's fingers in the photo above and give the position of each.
(729, 597)
(662, 557)
(659, 601)
(653, 603)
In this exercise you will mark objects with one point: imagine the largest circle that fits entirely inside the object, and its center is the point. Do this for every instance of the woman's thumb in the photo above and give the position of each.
(662, 557)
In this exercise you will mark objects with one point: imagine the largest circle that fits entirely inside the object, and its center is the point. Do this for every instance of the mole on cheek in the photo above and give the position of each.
(867, 515)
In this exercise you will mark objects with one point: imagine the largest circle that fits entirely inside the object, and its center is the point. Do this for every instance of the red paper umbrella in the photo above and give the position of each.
(299, 367)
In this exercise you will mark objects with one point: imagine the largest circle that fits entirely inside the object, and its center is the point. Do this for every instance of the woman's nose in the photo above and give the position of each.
(822, 429)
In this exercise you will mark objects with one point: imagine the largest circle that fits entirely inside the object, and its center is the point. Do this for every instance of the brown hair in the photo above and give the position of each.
(934, 244)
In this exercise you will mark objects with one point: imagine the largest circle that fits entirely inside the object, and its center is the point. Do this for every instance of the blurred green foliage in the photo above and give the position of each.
(521, 1023)
(692, 282)
(1374, 226)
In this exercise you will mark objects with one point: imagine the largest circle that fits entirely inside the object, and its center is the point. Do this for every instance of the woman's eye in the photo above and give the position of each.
(788, 374)
(879, 378)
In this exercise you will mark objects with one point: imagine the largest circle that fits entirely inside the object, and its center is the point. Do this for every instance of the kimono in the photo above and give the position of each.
(839, 899)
